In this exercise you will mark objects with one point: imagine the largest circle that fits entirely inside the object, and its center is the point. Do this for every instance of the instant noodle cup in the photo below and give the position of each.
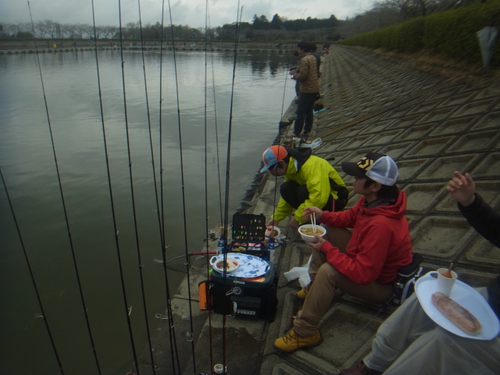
(272, 232)
(220, 265)
(307, 233)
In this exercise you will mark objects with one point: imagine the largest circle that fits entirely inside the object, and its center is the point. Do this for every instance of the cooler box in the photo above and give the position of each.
(247, 297)
(248, 235)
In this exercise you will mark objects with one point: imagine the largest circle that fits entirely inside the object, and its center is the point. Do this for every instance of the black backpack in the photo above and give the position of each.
(407, 277)
(343, 195)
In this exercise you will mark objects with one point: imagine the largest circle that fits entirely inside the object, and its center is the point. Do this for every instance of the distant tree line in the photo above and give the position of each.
(384, 13)
(48, 29)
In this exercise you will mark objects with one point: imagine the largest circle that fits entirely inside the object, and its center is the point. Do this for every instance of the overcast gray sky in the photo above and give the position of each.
(184, 12)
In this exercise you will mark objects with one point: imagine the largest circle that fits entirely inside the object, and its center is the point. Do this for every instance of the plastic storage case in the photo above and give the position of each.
(253, 298)
(248, 235)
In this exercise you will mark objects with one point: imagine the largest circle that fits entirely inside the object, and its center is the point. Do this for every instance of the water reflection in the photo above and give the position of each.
(74, 110)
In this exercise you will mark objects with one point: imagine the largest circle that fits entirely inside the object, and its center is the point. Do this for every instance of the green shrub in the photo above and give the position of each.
(451, 33)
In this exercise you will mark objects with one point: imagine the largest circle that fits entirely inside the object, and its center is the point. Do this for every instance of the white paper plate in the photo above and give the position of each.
(465, 296)
(250, 265)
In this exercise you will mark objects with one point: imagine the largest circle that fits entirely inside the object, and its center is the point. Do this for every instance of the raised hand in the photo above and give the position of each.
(462, 188)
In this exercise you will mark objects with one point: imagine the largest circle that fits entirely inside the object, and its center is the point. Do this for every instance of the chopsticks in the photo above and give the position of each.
(313, 221)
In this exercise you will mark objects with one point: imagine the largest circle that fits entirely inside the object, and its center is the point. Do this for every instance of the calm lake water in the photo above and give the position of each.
(67, 128)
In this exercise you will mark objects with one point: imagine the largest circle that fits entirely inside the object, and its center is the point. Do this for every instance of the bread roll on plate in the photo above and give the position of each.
(456, 313)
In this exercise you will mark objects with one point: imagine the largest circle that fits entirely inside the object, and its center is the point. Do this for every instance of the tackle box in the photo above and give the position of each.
(253, 298)
(248, 235)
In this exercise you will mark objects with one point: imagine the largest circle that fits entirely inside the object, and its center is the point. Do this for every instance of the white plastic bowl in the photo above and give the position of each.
(309, 227)
(218, 264)
(274, 230)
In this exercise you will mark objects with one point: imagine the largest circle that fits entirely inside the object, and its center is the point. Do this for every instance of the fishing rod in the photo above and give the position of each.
(32, 276)
(228, 170)
(216, 121)
(207, 265)
(63, 202)
(125, 110)
(174, 353)
(139, 260)
(183, 191)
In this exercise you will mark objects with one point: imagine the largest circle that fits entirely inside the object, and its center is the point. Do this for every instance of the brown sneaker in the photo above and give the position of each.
(359, 369)
(291, 341)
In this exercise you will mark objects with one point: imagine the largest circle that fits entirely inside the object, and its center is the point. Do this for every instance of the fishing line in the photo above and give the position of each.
(281, 117)
(216, 128)
(30, 270)
(284, 93)
(63, 200)
(181, 156)
(182, 256)
(216, 121)
(243, 82)
(174, 353)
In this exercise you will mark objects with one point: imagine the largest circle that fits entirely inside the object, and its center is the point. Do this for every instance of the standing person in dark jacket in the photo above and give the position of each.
(410, 343)
(363, 263)
(308, 78)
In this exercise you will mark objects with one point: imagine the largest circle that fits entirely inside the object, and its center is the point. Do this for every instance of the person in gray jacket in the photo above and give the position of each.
(308, 77)
(409, 342)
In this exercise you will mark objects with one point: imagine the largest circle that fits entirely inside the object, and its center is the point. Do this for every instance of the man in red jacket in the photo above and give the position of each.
(363, 262)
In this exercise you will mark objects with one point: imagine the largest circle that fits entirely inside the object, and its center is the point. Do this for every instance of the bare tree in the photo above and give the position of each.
(415, 8)
(87, 31)
(46, 28)
(11, 29)
(109, 32)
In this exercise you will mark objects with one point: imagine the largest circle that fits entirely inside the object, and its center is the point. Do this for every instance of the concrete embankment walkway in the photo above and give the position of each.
(431, 125)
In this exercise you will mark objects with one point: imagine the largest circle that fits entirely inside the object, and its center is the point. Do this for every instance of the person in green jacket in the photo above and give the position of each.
(309, 181)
